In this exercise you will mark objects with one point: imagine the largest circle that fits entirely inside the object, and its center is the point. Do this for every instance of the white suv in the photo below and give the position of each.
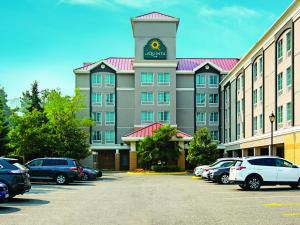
(253, 172)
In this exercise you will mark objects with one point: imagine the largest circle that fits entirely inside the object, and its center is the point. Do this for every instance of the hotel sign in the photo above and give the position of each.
(155, 49)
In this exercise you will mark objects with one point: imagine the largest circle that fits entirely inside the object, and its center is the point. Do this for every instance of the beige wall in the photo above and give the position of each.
(248, 102)
(297, 71)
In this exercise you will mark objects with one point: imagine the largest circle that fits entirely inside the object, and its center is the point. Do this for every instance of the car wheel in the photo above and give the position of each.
(61, 179)
(85, 177)
(243, 186)
(224, 179)
(253, 183)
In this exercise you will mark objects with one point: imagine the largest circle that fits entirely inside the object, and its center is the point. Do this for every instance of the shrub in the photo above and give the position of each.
(165, 168)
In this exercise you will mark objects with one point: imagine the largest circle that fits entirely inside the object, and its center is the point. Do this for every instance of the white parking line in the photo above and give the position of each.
(284, 196)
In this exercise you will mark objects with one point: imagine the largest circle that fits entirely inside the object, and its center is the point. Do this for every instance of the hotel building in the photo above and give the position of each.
(129, 98)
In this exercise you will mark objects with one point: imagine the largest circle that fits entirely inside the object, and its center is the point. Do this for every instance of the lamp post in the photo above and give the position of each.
(272, 120)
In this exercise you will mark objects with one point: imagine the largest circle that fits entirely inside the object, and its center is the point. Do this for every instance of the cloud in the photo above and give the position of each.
(233, 11)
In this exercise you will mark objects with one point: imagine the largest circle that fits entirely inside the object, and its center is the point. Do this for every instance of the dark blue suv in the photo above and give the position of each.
(60, 170)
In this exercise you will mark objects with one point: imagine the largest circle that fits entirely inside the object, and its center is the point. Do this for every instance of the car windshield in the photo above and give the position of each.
(224, 164)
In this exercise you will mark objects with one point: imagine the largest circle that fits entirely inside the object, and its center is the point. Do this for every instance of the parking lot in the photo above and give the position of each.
(121, 198)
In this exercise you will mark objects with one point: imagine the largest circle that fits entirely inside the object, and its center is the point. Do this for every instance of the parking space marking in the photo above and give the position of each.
(285, 196)
(274, 204)
(195, 177)
(289, 214)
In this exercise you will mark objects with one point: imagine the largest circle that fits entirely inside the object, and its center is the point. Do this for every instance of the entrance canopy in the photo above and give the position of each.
(141, 133)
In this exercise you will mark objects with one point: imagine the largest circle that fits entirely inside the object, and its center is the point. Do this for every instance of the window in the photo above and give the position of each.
(214, 118)
(238, 84)
(279, 114)
(214, 135)
(97, 136)
(213, 80)
(262, 162)
(260, 93)
(110, 80)
(97, 117)
(226, 135)
(200, 80)
(243, 104)
(146, 117)
(37, 162)
(283, 163)
(288, 41)
(242, 81)
(147, 78)
(238, 108)
(201, 118)
(97, 79)
(200, 99)
(164, 117)
(214, 99)
(238, 130)
(109, 137)
(110, 99)
(288, 77)
(260, 121)
(55, 162)
(261, 66)
(163, 98)
(96, 98)
(255, 124)
(279, 51)
(110, 118)
(289, 111)
(279, 83)
(254, 97)
(163, 78)
(254, 71)
(147, 98)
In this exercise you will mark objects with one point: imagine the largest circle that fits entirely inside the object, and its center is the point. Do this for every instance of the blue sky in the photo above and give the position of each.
(45, 40)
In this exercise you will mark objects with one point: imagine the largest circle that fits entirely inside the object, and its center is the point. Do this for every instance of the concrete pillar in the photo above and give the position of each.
(95, 160)
(132, 157)
(256, 151)
(274, 152)
(181, 159)
(234, 153)
(244, 152)
(117, 160)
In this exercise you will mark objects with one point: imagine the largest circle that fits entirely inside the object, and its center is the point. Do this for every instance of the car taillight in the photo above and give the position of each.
(240, 167)
(206, 169)
(74, 169)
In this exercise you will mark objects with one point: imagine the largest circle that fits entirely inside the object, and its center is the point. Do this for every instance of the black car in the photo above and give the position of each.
(90, 173)
(15, 176)
(60, 170)
(221, 174)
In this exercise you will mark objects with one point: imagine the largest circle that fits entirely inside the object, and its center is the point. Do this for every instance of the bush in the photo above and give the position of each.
(165, 168)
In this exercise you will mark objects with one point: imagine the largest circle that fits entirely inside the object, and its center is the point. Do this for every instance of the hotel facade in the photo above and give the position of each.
(128, 98)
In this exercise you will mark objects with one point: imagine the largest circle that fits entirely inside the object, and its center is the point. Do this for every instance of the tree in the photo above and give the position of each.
(4, 123)
(70, 135)
(31, 99)
(202, 150)
(31, 135)
(159, 147)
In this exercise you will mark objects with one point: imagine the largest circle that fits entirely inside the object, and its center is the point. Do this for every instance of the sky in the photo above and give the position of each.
(45, 40)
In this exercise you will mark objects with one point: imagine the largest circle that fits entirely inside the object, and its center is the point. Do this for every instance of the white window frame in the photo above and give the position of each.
(164, 121)
(214, 123)
(147, 121)
(147, 102)
(199, 104)
(163, 83)
(109, 142)
(110, 123)
(163, 103)
(97, 103)
(97, 141)
(147, 84)
(97, 122)
(201, 85)
(114, 102)
(213, 85)
(97, 84)
(200, 122)
(108, 84)
(213, 104)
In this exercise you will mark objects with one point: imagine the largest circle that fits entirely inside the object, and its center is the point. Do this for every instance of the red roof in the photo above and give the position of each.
(184, 64)
(149, 130)
(155, 15)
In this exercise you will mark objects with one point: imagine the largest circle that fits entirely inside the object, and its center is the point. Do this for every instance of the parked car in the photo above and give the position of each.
(90, 173)
(200, 169)
(253, 172)
(60, 170)
(219, 163)
(3, 192)
(221, 174)
(15, 176)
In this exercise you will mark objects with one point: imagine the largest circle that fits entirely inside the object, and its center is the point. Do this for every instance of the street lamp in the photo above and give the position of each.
(272, 120)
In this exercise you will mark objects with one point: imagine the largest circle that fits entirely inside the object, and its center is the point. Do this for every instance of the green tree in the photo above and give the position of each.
(31, 99)
(202, 149)
(31, 135)
(69, 129)
(4, 124)
(159, 147)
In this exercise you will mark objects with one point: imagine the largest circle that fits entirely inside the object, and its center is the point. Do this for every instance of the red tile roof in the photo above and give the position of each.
(184, 64)
(155, 15)
(149, 130)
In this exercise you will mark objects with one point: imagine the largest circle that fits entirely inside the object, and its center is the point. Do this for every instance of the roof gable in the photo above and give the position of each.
(155, 15)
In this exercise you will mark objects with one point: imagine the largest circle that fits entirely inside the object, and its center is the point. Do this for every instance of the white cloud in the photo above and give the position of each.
(227, 11)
